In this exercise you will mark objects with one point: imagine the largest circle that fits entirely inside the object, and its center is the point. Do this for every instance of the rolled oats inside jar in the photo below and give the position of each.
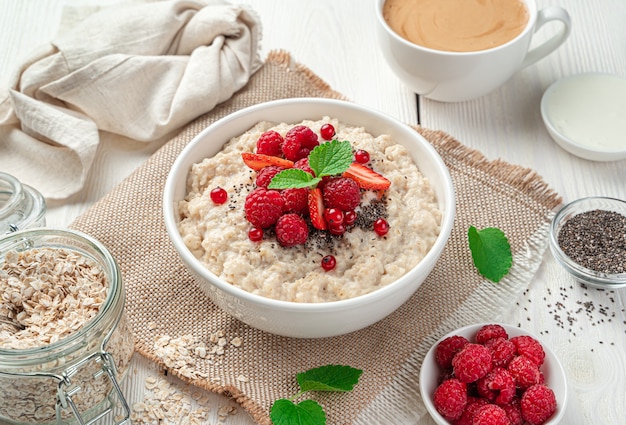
(65, 290)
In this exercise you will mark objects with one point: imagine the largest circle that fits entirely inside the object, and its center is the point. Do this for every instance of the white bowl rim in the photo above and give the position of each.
(560, 372)
(594, 154)
(347, 304)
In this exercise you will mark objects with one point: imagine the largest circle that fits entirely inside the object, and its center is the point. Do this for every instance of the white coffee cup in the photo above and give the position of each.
(457, 76)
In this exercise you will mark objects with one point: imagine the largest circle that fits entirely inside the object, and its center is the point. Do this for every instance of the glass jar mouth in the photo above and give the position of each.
(11, 189)
(98, 328)
(21, 206)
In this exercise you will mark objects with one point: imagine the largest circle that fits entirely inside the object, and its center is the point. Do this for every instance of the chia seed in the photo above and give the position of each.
(370, 213)
(596, 240)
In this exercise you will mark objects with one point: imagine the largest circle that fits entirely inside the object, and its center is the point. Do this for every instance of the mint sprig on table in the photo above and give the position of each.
(335, 378)
(491, 252)
(327, 159)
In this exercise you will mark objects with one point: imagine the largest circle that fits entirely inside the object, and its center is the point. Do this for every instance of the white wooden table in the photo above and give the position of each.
(336, 40)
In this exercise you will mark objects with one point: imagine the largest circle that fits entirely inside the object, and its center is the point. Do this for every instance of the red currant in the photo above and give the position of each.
(329, 262)
(255, 234)
(381, 227)
(327, 131)
(349, 218)
(362, 156)
(337, 229)
(219, 195)
(333, 216)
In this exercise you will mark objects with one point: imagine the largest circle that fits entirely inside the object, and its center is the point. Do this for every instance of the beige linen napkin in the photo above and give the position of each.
(168, 312)
(137, 69)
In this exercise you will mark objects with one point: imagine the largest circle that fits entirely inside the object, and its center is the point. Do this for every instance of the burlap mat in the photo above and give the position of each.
(163, 301)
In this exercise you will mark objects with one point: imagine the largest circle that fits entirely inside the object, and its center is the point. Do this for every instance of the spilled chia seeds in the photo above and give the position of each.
(574, 308)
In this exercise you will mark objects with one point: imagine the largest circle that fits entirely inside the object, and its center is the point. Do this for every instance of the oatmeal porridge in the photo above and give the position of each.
(217, 234)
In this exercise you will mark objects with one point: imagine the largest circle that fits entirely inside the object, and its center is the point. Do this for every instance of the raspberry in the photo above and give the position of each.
(291, 229)
(502, 351)
(542, 378)
(265, 175)
(450, 398)
(263, 207)
(538, 404)
(488, 332)
(447, 348)
(524, 371)
(472, 362)
(490, 414)
(341, 193)
(529, 347)
(298, 142)
(514, 411)
(270, 143)
(473, 404)
(296, 200)
(497, 386)
(303, 164)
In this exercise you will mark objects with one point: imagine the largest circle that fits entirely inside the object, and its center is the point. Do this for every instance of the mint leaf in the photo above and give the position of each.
(329, 378)
(330, 158)
(286, 412)
(327, 159)
(491, 252)
(293, 178)
(325, 378)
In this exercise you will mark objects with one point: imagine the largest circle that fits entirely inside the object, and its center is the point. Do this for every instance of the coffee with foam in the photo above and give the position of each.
(457, 26)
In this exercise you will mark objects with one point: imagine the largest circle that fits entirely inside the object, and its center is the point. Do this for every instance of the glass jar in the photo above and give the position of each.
(72, 379)
(21, 206)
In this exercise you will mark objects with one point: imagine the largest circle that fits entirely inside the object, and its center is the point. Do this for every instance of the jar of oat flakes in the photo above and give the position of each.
(64, 361)
(21, 206)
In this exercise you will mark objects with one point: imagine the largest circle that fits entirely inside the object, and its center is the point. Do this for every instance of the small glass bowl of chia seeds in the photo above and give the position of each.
(588, 238)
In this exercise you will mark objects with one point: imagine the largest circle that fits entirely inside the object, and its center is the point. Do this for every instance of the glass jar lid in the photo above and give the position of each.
(21, 206)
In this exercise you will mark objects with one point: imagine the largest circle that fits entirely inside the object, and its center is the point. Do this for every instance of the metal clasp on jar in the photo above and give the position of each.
(67, 390)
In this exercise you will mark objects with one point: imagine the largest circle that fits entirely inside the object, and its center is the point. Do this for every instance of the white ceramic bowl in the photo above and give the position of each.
(584, 114)
(308, 320)
(552, 369)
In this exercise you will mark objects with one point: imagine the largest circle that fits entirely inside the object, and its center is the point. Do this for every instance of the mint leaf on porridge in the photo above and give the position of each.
(331, 158)
(293, 178)
(335, 378)
(491, 252)
(328, 159)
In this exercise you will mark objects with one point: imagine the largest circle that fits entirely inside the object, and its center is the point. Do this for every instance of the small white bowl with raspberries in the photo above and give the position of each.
(291, 318)
(492, 374)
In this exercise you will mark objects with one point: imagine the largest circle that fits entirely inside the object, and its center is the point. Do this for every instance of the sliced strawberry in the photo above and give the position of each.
(316, 209)
(366, 177)
(258, 161)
